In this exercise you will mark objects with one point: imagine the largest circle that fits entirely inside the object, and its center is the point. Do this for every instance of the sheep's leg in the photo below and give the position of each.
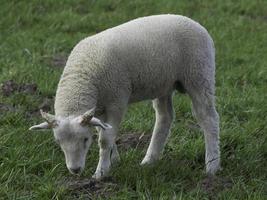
(164, 116)
(206, 114)
(115, 156)
(106, 141)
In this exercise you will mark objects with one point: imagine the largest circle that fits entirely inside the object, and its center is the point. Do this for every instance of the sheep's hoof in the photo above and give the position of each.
(98, 175)
(148, 161)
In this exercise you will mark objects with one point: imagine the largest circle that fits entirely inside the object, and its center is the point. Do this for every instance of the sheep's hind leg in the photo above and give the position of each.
(164, 116)
(206, 114)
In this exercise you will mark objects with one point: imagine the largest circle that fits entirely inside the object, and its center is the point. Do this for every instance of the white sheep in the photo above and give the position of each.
(146, 58)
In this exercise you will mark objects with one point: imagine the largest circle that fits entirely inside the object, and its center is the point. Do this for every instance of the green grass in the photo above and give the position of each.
(32, 165)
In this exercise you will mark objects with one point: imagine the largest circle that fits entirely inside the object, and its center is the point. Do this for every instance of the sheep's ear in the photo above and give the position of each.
(50, 119)
(88, 119)
(97, 122)
(87, 116)
(43, 125)
(51, 122)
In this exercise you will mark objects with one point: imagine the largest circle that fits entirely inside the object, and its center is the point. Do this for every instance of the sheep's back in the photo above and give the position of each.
(150, 54)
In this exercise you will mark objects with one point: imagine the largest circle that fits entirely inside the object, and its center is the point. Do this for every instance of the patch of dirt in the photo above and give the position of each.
(29, 88)
(6, 108)
(133, 140)
(214, 184)
(59, 60)
(10, 86)
(90, 188)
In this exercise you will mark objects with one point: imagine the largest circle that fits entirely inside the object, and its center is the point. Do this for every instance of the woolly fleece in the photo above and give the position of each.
(142, 59)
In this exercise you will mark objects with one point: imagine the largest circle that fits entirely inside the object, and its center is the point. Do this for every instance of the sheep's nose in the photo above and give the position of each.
(75, 170)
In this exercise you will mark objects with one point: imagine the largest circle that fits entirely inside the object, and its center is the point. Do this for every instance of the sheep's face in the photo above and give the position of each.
(74, 140)
(73, 136)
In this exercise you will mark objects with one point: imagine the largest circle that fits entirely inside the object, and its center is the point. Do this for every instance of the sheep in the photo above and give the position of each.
(144, 59)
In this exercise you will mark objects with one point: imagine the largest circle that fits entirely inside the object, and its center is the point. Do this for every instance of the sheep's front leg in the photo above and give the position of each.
(115, 156)
(164, 116)
(108, 150)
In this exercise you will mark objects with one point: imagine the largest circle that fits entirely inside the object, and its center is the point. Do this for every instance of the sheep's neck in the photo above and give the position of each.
(76, 94)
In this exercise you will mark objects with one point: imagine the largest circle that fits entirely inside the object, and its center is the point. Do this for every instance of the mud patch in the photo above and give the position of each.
(6, 108)
(10, 87)
(213, 184)
(133, 140)
(90, 188)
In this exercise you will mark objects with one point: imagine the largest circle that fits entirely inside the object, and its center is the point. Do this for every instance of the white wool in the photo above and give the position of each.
(141, 59)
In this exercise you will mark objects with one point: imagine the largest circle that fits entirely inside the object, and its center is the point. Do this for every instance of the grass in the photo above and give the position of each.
(32, 165)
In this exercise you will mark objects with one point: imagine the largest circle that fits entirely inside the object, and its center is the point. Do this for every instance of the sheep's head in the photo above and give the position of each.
(73, 135)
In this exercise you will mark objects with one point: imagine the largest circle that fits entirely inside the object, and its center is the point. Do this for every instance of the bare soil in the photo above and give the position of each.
(6, 108)
(9, 87)
(133, 140)
(214, 184)
(90, 188)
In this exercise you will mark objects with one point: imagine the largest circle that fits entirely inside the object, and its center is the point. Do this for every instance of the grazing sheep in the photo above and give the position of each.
(146, 58)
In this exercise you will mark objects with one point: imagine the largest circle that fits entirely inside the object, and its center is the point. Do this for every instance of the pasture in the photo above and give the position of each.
(35, 39)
